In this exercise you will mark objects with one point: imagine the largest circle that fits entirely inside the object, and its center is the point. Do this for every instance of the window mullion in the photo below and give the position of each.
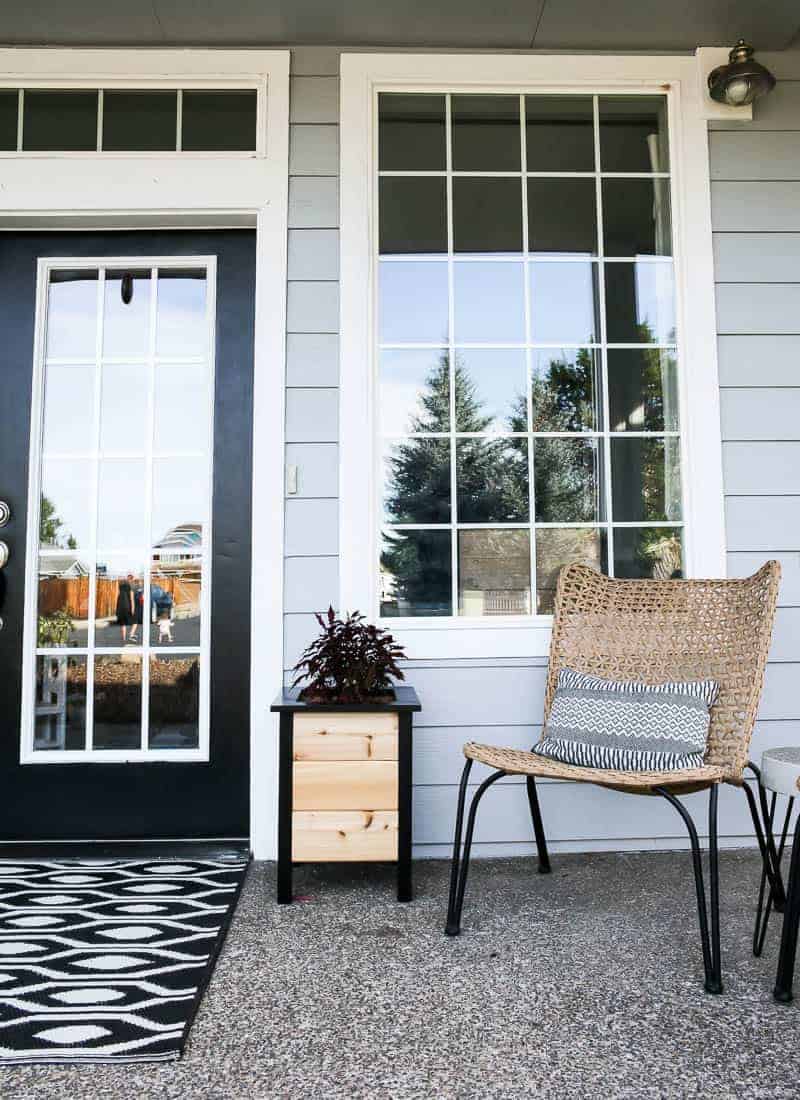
(601, 305)
(528, 361)
(451, 353)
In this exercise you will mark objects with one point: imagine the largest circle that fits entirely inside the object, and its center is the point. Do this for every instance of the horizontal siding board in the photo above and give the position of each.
(314, 99)
(755, 155)
(780, 110)
(763, 524)
(438, 756)
(298, 632)
(312, 307)
(755, 207)
(744, 565)
(765, 360)
(771, 415)
(757, 257)
(317, 469)
(781, 699)
(310, 584)
(475, 696)
(758, 307)
(312, 359)
(786, 635)
(762, 469)
(314, 254)
(315, 61)
(312, 528)
(313, 202)
(313, 150)
(312, 416)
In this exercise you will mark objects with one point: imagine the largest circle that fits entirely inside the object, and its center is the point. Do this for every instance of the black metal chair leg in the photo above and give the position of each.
(462, 797)
(769, 841)
(773, 874)
(713, 874)
(697, 864)
(453, 927)
(538, 827)
(791, 921)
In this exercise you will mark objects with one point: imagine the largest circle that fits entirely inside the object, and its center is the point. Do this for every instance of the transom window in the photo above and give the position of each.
(527, 397)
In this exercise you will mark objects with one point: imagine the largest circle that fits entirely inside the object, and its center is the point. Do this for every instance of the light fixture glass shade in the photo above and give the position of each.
(740, 81)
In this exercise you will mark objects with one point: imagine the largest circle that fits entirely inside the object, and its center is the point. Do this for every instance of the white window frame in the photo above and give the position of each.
(98, 191)
(29, 754)
(362, 77)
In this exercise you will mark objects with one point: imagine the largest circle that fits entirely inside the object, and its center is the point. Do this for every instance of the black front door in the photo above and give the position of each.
(126, 366)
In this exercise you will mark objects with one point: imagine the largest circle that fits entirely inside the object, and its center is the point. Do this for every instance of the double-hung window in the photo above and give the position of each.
(526, 346)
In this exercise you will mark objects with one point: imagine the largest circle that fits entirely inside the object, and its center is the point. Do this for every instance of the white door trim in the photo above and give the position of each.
(362, 75)
(185, 190)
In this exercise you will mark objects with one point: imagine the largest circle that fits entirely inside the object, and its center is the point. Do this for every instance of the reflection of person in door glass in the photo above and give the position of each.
(138, 612)
(125, 606)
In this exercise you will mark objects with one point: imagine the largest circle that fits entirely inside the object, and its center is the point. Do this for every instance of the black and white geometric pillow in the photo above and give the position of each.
(623, 725)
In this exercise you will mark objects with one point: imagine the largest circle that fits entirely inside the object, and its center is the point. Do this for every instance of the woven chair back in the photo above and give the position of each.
(655, 631)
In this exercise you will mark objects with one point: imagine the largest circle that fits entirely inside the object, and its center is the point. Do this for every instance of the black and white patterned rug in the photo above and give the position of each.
(106, 960)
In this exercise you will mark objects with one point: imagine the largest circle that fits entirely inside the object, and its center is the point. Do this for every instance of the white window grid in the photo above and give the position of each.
(91, 651)
(602, 346)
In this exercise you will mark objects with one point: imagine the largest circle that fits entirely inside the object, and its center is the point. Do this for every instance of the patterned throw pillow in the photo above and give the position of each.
(622, 725)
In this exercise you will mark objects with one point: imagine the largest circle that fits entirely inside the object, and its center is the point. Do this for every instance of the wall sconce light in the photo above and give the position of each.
(740, 81)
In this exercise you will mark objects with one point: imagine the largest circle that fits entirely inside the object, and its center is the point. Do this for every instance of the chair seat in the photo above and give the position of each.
(518, 762)
(780, 770)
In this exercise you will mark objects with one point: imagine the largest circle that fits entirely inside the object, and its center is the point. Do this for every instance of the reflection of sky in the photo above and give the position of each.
(403, 375)
(489, 302)
(499, 378)
(123, 407)
(126, 327)
(655, 299)
(181, 407)
(115, 566)
(179, 493)
(68, 408)
(120, 505)
(181, 317)
(72, 318)
(413, 302)
(562, 303)
(67, 485)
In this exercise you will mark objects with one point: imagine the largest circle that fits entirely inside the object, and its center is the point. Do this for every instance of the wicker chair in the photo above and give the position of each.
(650, 631)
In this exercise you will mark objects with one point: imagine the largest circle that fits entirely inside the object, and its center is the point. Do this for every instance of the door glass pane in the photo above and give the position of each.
(123, 407)
(636, 217)
(416, 573)
(219, 121)
(119, 600)
(492, 480)
(562, 216)
(63, 601)
(68, 408)
(60, 708)
(559, 546)
(486, 133)
(489, 302)
(414, 391)
(633, 134)
(9, 106)
(65, 504)
(648, 552)
(118, 701)
(411, 132)
(417, 481)
(121, 504)
(175, 590)
(494, 570)
(72, 315)
(126, 324)
(181, 407)
(139, 121)
(569, 481)
(491, 390)
(62, 120)
(560, 136)
(412, 215)
(642, 390)
(646, 479)
(566, 393)
(413, 303)
(181, 321)
(180, 492)
(564, 302)
(174, 702)
(487, 215)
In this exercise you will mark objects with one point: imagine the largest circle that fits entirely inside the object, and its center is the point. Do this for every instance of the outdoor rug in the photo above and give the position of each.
(106, 960)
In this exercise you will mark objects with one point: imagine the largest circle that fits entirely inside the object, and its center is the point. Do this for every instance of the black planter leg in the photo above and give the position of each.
(454, 917)
(538, 827)
(286, 753)
(773, 874)
(791, 920)
(764, 906)
(713, 867)
(697, 865)
(451, 927)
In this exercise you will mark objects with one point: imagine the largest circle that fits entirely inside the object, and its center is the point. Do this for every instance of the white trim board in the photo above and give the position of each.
(96, 191)
(362, 75)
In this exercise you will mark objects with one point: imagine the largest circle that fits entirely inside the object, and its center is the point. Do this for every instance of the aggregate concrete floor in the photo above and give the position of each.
(584, 983)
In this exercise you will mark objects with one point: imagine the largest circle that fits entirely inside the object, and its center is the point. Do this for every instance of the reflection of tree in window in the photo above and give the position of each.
(50, 526)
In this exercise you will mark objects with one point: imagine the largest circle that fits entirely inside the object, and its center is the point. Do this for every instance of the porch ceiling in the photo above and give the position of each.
(511, 24)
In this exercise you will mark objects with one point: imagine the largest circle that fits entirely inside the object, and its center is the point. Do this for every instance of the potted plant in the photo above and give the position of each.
(345, 752)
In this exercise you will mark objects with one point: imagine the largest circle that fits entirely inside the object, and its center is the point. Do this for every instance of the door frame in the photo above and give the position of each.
(177, 190)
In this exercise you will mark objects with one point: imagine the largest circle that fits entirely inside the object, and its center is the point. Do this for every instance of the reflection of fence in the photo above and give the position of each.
(71, 594)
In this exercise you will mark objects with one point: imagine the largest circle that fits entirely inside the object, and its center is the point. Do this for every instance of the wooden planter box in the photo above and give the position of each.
(344, 785)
